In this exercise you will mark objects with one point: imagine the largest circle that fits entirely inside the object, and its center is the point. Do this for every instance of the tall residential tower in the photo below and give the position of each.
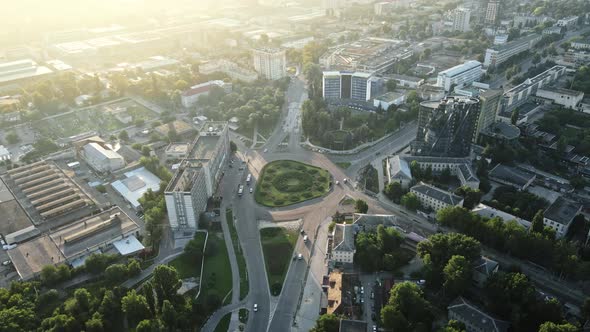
(270, 63)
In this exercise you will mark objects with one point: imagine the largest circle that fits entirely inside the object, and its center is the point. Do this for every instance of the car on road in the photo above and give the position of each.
(374, 328)
(305, 238)
(421, 282)
(265, 150)
(337, 182)
(255, 307)
(6, 263)
(251, 190)
(299, 256)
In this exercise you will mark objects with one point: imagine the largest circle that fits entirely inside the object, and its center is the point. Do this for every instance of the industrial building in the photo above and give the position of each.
(460, 76)
(45, 190)
(446, 128)
(21, 70)
(72, 243)
(498, 54)
(14, 218)
(101, 158)
(519, 94)
(198, 176)
(346, 85)
(136, 183)
(270, 63)
(190, 97)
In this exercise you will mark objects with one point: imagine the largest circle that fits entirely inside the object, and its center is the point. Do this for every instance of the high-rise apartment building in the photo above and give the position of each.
(461, 17)
(270, 63)
(197, 177)
(346, 85)
(459, 76)
(490, 101)
(446, 128)
(492, 12)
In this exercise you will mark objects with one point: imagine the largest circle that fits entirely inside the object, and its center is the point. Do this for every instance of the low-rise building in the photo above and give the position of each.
(564, 97)
(389, 99)
(560, 215)
(177, 151)
(177, 126)
(230, 69)
(554, 30)
(436, 199)
(335, 293)
(406, 81)
(488, 212)
(460, 76)
(136, 183)
(511, 176)
(343, 249)
(568, 22)
(483, 269)
(581, 44)
(190, 97)
(398, 170)
(101, 157)
(474, 318)
(4, 153)
(498, 54)
(460, 167)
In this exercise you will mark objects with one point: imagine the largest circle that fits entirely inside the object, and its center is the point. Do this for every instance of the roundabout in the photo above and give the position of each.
(287, 182)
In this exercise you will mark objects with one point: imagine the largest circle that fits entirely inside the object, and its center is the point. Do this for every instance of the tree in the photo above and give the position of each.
(110, 307)
(166, 282)
(536, 59)
(135, 307)
(96, 263)
(149, 325)
(327, 323)
(391, 85)
(49, 275)
(537, 224)
(454, 326)
(123, 135)
(233, 147)
(94, 324)
(12, 138)
(457, 276)
(410, 201)
(586, 309)
(169, 314)
(514, 116)
(115, 273)
(146, 151)
(181, 85)
(406, 304)
(133, 268)
(394, 191)
(361, 206)
(552, 327)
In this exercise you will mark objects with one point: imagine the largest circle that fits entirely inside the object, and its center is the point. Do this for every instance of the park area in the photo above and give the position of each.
(277, 245)
(102, 119)
(286, 182)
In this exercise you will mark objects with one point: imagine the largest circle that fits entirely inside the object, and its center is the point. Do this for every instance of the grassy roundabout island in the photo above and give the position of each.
(286, 182)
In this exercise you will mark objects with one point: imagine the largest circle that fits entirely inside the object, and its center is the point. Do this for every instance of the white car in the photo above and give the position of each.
(251, 190)
(265, 150)
(6, 263)
(255, 307)
(299, 256)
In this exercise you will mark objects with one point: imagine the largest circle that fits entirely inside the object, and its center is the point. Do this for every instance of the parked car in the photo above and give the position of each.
(255, 307)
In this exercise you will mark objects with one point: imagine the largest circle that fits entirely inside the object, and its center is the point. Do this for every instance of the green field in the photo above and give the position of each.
(277, 245)
(286, 182)
(223, 325)
(239, 256)
(217, 277)
(343, 165)
(186, 265)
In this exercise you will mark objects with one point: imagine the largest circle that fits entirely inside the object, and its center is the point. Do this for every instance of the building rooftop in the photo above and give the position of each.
(344, 238)
(135, 184)
(21, 69)
(511, 175)
(468, 172)
(530, 81)
(567, 92)
(459, 69)
(99, 150)
(334, 291)
(347, 325)
(14, 217)
(371, 221)
(406, 78)
(474, 316)
(485, 265)
(562, 211)
(390, 96)
(489, 212)
(183, 178)
(178, 148)
(399, 168)
(503, 129)
(437, 194)
(511, 44)
(428, 159)
(180, 127)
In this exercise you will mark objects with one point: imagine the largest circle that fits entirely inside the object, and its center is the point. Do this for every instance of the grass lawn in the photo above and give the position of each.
(185, 265)
(217, 277)
(277, 244)
(223, 325)
(343, 165)
(239, 256)
(243, 315)
(286, 182)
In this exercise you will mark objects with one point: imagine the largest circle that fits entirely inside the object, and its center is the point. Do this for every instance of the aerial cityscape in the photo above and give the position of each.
(295, 165)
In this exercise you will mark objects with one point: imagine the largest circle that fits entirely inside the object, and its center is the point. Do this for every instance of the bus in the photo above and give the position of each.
(248, 179)
(240, 190)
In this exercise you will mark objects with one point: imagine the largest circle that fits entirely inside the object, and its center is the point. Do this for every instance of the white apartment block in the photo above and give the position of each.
(433, 198)
(270, 63)
(498, 54)
(343, 243)
(346, 85)
(461, 18)
(560, 215)
(492, 11)
(229, 68)
(460, 76)
(568, 22)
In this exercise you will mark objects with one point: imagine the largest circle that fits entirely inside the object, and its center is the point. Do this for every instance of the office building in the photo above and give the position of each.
(270, 63)
(346, 85)
(499, 54)
(519, 94)
(568, 22)
(102, 158)
(461, 18)
(447, 127)
(489, 101)
(197, 177)
(459, 76)
(435, 199)
(190, 97)
(560, 215)
(492, 12)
